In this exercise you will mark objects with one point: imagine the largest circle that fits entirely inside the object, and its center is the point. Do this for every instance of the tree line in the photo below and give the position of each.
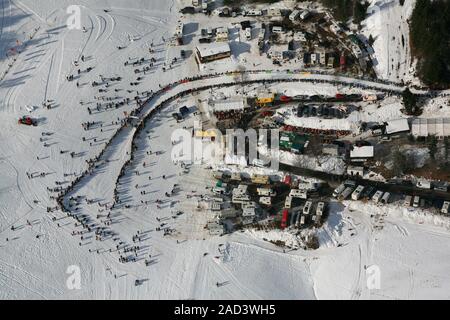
(430, 41)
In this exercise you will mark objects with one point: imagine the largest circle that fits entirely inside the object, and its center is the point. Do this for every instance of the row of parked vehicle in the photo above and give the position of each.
(322, 111)
(350, 189)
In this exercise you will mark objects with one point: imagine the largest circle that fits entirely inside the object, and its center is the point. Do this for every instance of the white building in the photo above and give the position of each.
(364, 152)
(230, 104)
(397, 126)
(355, 171)
(210, 52)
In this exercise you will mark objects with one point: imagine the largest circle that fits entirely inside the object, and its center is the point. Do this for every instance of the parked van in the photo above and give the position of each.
(265, 200)
(266, 192)
(297, 193)
(445, 207)
(338, 190)
(356, 195)
(307, 207)
(416, 202)
(320, 208)
(253, 13)
(248, 34)
(377, 196)
(407, 202)
(385, 198)
(288, 202)
(302, 220)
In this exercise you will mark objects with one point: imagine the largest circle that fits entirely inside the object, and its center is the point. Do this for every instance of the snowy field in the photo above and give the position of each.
(37, 247)
(387, 23)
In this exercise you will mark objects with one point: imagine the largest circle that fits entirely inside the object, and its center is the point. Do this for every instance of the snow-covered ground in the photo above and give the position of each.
(411, 250)
(387, 23)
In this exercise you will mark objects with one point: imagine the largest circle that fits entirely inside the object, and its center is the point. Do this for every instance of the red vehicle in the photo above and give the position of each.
(28, 121)
(284, 218)
(284, 98)
(287, 180)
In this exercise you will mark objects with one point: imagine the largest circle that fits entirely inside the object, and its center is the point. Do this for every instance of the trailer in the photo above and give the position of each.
(346, 193)
(445, 207)
(407, 201)
(284, 218)
(338, 190)
(377, 196)
(356, 195)
(385, 198)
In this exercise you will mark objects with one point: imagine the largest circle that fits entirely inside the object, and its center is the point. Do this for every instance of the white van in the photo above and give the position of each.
(266, 192)
(356, 195)
(276, 29)
(377, 196)
(288, 202)
(445, 207)
(416, 202)
(320, 208)
(407, 201)
(253, 13)
(248, 34)
(307, 207)
(297, 193)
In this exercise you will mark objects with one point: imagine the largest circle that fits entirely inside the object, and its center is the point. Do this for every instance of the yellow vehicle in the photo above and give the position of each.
(264, 100)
